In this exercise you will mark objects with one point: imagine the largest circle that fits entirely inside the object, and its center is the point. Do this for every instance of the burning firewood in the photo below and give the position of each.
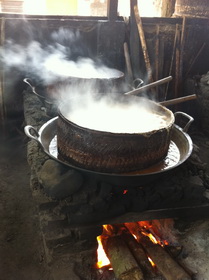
(138, 253)
(169, 268)
(124, 265)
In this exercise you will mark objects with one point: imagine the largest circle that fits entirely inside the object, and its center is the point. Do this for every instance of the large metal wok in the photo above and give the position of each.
(46, 137)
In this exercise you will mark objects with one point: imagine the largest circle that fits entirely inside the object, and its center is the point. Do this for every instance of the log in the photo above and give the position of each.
(124, 265)
(139, 254)
(143, 43)
(168, 267)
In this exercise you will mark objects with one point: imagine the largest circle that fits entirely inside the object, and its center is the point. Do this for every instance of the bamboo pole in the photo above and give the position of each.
(128, 63)
(177, 70)
(182, 44)
(149, 86)
(157, 54)
(143, 43)
(178, 100)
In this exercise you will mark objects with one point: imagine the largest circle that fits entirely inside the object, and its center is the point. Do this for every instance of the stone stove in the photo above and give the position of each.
(74, 207)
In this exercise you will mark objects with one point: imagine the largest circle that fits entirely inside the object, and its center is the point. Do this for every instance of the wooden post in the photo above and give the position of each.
(134, 43)
(112, 10)
(182, 43)
(168, 8)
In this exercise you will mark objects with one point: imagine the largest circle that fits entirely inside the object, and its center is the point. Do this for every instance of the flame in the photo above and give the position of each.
(144, 228)
(151, 261)
(102, 259)
(152, 233)
(151, 237)
(107, 230)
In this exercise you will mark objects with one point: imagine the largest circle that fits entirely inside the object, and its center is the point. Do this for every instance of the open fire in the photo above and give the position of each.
(138, 251)
(102, 203)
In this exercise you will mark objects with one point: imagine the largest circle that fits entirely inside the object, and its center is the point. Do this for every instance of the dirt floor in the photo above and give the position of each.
(21, 247)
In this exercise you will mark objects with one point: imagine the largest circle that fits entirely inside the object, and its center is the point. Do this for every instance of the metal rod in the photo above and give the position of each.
(149, 86)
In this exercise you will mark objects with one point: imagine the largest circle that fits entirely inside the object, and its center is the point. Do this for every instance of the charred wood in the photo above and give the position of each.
(169, 268)
(139, 254)
(124, 264)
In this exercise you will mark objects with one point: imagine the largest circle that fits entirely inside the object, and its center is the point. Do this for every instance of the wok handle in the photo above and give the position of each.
(28, 129)
(185, 129)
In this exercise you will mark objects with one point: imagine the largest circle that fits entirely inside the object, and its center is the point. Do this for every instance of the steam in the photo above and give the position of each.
(114, 114)
(53, 62)
(81, 101)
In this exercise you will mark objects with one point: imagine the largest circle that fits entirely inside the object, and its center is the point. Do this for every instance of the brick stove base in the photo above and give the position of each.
(73, 208)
